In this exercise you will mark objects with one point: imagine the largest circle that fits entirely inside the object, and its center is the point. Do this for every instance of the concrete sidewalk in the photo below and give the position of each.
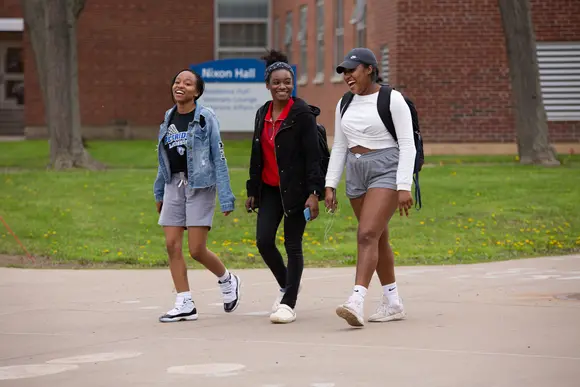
(505, 324)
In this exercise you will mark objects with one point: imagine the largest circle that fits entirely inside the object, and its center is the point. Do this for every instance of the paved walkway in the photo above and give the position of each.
(505, 324)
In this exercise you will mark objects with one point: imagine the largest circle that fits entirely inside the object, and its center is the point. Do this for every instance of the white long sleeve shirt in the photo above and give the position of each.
(361, 125)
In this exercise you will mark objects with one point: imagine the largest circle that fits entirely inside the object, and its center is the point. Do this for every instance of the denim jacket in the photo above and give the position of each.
(206, 160)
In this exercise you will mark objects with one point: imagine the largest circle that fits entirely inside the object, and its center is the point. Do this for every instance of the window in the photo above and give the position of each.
(559, 66)
(243, 35)
(276, 43)
(320, 38)
(303, 40)
(242, 28)
(242, 9)
(338, 32)
(288, 37)
(359, 20)
(385, 63)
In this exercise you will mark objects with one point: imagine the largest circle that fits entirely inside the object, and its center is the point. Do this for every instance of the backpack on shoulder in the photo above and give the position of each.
(324, 150)
(383, 107)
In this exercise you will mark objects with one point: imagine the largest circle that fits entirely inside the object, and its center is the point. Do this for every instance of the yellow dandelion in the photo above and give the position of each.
(250, 255)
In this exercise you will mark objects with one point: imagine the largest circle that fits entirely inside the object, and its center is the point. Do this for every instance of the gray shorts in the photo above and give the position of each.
(187, 207)
(375, 169)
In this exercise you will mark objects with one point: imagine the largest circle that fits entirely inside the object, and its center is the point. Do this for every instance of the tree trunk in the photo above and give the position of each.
(531, 121)
(52, 26)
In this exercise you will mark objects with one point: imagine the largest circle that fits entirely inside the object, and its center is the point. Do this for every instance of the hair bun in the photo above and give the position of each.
(273, 56)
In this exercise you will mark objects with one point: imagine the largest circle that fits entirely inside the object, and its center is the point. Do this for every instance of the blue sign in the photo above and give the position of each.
(235, 89)
(235, 70)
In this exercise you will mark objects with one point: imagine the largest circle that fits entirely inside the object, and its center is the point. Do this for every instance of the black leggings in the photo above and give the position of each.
(270, 215)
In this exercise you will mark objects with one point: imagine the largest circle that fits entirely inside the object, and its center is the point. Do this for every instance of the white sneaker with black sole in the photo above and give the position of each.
(231, 292)
(183, 311)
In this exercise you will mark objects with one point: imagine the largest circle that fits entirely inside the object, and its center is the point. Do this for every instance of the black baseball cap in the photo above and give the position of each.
(355, 57)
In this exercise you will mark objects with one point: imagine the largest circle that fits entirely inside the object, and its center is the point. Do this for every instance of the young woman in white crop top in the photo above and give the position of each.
(379, 176)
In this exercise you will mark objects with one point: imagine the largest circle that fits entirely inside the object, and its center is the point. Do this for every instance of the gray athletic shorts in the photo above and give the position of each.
(375, 169)
(187, 207)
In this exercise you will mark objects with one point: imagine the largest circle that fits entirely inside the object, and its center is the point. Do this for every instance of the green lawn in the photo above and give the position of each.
(472, 213)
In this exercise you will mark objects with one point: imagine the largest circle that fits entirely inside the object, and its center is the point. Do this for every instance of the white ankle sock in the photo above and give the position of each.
(359, 291)
(390, 291)
(183, 296)
(224, 277)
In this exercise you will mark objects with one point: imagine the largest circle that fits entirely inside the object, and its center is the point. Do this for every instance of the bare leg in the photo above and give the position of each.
(386, 263)
(229, 284)
(174, 245)
(373, 210)
(197, 240)
(378, 208)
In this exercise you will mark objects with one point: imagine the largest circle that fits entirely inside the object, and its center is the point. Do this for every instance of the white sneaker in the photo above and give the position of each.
(352, 311)
(184, 311)
(283, 315)
(386, 312)
(279, 299)
(231, 292)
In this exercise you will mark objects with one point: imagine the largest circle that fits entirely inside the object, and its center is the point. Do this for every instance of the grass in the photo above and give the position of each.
(472, 213)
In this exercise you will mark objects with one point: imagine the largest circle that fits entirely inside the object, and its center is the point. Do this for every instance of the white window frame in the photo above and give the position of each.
(359, 19)
(276, 34)
(320, 47)
(302, 38)
(257, 51)
(338, 57)
(288, 40)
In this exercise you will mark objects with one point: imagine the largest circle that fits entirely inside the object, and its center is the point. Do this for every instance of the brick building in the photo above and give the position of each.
(448, 56)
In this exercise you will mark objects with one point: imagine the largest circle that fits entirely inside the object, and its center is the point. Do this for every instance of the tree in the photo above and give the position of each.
(531, 121)
(52, 26)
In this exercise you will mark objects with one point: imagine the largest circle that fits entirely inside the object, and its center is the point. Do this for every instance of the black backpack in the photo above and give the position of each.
(383, 106)
(324, 151)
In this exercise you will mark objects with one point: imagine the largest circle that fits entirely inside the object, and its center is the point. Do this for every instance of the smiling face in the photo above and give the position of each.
(281, 85)
(358, 79)
(185, 87)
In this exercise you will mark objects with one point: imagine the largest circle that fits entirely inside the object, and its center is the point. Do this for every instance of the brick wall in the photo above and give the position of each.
(327, 93)
(10, 8)
(448, 56)
(128, 53)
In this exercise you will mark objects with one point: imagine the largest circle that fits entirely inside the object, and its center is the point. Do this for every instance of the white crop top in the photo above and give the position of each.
(361, 125)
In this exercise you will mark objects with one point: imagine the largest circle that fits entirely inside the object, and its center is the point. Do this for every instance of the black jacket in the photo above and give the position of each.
(297, 154)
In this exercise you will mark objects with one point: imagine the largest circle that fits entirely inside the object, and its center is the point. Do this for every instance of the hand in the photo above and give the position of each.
(250, 204)
(159, 205)
(405, 202)
(330, 199)
(226, 213)
(312, 203)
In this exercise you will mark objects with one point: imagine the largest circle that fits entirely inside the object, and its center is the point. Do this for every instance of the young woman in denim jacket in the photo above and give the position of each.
(192, 166)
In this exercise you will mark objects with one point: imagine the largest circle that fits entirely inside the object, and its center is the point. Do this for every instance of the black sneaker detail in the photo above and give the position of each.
(179, 317)
(231, 306)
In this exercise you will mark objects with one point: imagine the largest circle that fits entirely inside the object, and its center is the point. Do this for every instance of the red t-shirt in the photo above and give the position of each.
(270, 171)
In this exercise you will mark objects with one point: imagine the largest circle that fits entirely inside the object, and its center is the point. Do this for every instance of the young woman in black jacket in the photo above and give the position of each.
(285, 179)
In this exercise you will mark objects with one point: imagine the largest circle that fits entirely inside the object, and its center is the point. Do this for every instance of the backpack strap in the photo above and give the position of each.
(384, 108)
(345, 101)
